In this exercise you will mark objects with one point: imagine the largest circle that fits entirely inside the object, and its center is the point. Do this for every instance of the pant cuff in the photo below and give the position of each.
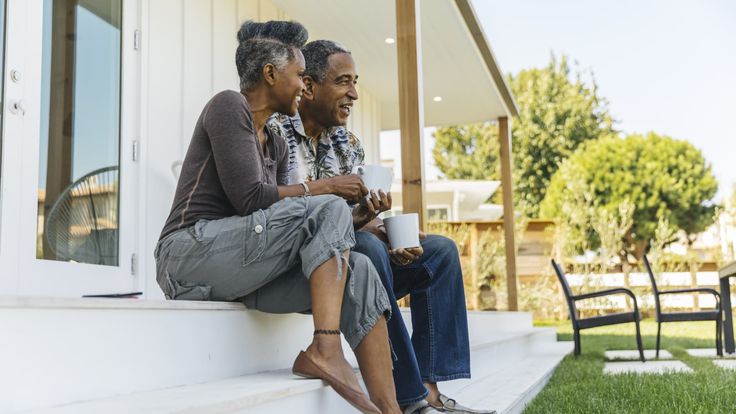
(327, 254)
(355, 337)
(410, 401)
(450, 377)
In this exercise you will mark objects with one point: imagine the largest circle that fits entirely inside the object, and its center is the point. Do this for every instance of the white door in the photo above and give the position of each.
(69, 204)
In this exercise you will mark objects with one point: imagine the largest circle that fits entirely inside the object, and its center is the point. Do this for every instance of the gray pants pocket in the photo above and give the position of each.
(174, 289)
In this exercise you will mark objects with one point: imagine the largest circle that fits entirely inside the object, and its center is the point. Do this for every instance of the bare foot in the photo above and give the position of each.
(327, 354)
(434, 394)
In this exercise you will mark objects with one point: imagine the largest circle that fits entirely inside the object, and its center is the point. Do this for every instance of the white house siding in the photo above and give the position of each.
(188, 49)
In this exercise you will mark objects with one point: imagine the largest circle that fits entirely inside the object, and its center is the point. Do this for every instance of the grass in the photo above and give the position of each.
(579, 386)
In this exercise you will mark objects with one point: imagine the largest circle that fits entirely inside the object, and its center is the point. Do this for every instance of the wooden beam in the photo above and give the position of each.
(411, 108)
(504, 138)
(61, 113)
(484, 47)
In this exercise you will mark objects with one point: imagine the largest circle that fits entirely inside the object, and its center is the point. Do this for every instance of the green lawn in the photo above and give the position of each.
(579, 386)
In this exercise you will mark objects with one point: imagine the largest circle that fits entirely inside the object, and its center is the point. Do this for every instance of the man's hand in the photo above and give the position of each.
(404, 257)
(370, 207)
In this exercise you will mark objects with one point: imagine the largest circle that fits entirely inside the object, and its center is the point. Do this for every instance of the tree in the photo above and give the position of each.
(557, 114)
(468, 151)
(665, 179)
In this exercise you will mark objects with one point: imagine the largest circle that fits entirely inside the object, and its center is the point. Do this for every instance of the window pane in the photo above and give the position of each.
(78, 194)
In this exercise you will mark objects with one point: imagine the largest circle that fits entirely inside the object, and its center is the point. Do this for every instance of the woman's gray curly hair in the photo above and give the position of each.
(262, 43)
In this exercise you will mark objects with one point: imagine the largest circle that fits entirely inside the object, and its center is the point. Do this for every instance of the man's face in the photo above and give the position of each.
(332, 100)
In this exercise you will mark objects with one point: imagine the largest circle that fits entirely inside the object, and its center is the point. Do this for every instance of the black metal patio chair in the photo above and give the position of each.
(702, 315)
(579, 323)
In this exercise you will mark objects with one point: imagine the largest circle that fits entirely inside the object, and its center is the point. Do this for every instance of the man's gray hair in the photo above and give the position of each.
(262, 43)
(316, 53)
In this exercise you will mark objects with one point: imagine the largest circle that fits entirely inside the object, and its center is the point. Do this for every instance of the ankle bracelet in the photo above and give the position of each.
(327, 332)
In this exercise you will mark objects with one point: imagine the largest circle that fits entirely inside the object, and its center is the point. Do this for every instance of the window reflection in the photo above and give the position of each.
(78, 195)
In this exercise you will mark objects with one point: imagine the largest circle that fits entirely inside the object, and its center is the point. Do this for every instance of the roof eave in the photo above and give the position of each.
(471, 22)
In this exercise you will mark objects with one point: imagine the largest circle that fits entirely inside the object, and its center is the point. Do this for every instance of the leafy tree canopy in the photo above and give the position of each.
(558, 112)
(665, 179)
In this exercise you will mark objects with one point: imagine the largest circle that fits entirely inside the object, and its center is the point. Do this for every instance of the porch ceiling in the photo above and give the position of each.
(457, 62)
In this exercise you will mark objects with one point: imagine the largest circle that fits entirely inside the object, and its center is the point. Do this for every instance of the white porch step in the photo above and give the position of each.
(504, 383)
(510, 387)
(201, 357)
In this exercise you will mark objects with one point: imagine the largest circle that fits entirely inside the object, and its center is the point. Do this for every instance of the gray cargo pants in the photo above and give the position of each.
(265, 259)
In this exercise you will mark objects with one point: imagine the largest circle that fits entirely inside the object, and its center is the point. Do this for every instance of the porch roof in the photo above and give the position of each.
(457, 60)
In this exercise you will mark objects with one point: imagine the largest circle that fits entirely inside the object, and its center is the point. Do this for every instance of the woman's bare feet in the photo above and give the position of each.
(326, 352)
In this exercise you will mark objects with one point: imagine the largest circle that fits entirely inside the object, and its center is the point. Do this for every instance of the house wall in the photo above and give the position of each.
(188, 49)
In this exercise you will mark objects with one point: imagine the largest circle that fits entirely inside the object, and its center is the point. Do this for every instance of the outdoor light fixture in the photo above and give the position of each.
(390, 40)
(437, 99)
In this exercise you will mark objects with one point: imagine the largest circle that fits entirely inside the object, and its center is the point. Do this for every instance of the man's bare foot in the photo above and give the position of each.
(434, 394)
(327, 354)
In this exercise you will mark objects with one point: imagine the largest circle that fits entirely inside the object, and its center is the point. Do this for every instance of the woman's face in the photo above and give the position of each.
(289, 86)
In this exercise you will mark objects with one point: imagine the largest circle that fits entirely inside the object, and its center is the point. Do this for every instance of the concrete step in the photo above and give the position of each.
(508, 388)
(501, 380)
(94, 349)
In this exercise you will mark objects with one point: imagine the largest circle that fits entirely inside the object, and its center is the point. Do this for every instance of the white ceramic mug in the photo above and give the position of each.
(402, 230)
(375, 177)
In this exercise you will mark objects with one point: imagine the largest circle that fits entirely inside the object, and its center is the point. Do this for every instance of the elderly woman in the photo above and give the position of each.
(238, 231)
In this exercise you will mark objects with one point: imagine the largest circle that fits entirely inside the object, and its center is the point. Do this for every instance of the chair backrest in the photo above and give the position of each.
(654, 282)
(82, 224)
(566, 289)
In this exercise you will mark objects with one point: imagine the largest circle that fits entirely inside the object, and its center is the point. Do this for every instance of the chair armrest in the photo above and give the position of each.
(608, 292)
(693, 290)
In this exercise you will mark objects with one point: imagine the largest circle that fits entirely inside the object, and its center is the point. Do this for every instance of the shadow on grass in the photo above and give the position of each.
(579, 386)
(674, 335)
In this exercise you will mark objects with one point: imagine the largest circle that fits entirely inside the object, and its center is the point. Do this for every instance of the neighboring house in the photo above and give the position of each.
(117, 85)
(454, 200)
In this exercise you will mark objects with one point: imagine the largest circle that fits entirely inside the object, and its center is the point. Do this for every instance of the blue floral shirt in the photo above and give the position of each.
(337, 152)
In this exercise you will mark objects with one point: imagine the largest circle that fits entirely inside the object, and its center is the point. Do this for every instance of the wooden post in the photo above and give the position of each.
(694, 267)
(61, 115)
(474, 271)
(504, 138)
(411, 107)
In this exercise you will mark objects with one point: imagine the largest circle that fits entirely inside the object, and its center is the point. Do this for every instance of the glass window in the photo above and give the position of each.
(437, 213)
(78, 197)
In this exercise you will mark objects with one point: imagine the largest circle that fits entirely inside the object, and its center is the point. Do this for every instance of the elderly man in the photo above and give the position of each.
(321, 147)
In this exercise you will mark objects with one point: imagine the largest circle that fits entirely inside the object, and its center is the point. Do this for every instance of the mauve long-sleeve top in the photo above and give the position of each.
(225, 172)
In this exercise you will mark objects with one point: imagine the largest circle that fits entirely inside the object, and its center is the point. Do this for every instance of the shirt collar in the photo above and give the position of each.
(298, 126)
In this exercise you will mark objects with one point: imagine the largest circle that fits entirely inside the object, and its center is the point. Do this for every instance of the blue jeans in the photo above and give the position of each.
(439, 349)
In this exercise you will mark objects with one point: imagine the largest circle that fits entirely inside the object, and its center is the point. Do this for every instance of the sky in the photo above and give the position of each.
(664, 66)
(96, 95)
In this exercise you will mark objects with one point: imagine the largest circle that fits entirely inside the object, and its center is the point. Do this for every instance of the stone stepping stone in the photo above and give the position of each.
(708, 353)
(649, 367)
(634, 355)
(725, 363)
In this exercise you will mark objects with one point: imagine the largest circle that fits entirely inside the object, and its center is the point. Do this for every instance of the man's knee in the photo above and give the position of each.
(368, 244)
(442, 247)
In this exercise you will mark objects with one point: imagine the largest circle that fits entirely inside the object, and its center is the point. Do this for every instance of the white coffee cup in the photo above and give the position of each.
(375, 177)
(402, 230)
